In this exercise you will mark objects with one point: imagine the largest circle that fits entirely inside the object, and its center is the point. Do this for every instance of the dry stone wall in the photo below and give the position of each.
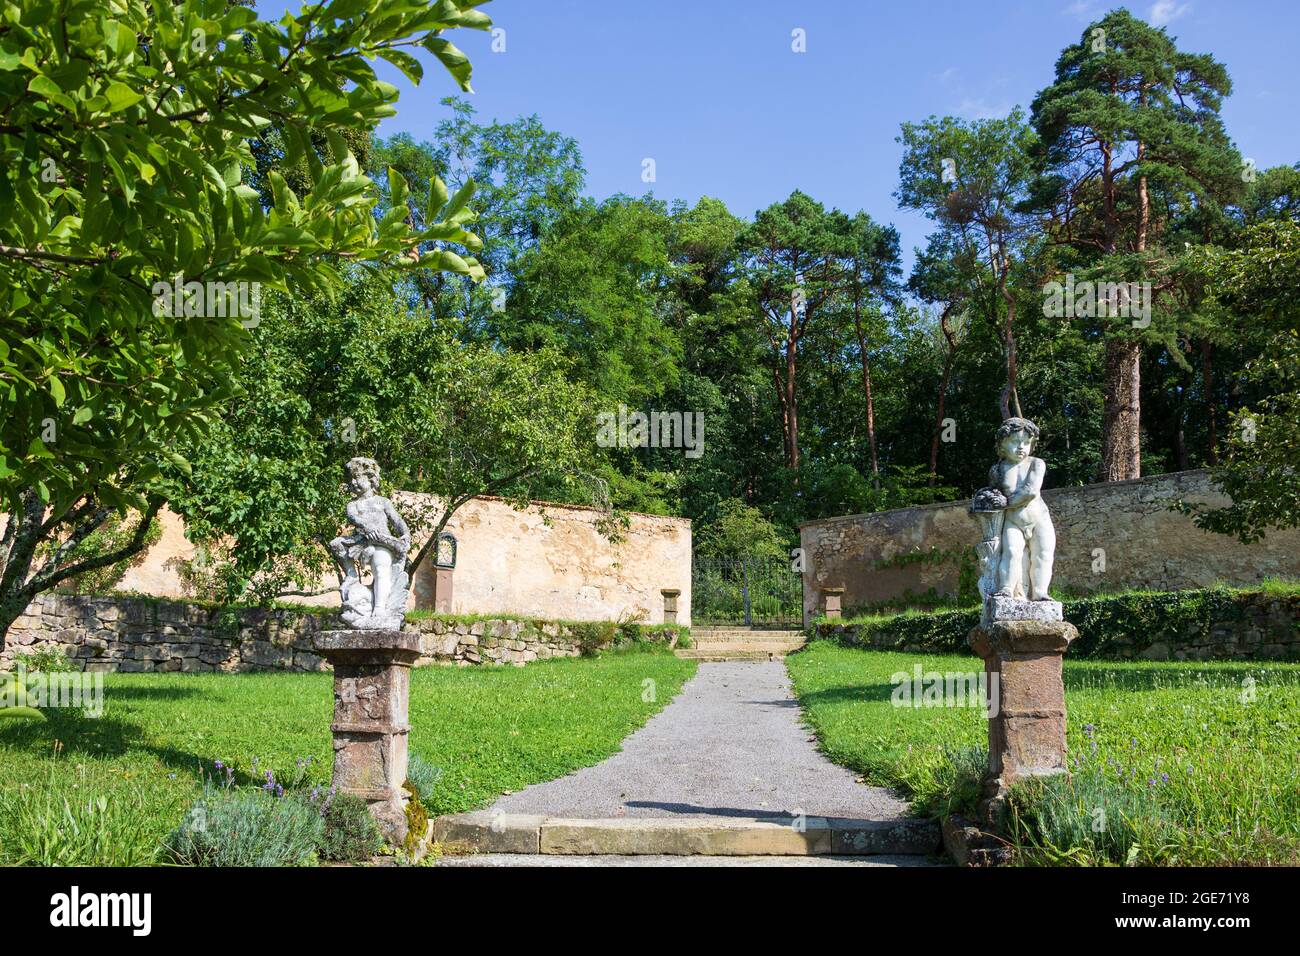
(141, 634)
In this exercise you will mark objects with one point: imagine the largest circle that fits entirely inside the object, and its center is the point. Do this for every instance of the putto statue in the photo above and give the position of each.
(374, 547)
(1019, 541)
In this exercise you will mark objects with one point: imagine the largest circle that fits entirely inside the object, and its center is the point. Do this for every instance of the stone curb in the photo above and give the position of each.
(486, 832)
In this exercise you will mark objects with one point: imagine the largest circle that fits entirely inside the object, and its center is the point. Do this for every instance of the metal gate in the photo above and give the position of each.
(746, 591)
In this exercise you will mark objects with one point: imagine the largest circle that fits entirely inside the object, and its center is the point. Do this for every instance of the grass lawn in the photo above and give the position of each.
(1196, 763)
(489, 729)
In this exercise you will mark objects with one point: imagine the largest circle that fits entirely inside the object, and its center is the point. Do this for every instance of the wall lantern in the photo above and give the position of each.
(444, 552)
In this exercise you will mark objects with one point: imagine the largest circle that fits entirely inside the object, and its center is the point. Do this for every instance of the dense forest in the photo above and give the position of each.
(829, 381)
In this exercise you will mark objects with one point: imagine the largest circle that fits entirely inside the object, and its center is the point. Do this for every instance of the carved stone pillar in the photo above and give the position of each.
(372, 674)
(1022, 663)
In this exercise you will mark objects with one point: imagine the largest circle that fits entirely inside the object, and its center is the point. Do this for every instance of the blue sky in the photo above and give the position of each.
(713, 92)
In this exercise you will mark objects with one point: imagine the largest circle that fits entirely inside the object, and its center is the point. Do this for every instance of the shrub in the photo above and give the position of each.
(593, 636)
(350, 833)
(1085, 818)
(424, 777)
(1110, 626)
(956, 780)
(247, 827)
(47, 660)
(417, 821)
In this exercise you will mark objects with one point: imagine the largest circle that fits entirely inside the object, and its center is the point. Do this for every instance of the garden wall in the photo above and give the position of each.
(142, 634)
(547, 561)
(892, 556)
(1198, 625)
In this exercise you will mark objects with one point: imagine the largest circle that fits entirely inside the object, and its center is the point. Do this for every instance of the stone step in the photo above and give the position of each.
(748, 639)
(487, 831)
(777, 647)
(706, 654)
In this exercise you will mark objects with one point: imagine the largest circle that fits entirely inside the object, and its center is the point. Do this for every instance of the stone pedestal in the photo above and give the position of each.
(1022, 661)
(832, 599)
(670, 596)
(442, 578)
(372, 674)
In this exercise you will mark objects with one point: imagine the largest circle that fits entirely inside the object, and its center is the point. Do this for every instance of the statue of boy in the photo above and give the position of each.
(1028, 540)
(372, 545)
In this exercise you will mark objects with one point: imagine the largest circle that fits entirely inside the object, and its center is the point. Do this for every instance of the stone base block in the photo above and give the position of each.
(998, 608)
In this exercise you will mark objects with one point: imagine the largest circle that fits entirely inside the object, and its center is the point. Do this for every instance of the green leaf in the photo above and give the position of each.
(120, 96)
(44, 86)
(456, 62)
(25, 713)
(437, 197)
(408, 64)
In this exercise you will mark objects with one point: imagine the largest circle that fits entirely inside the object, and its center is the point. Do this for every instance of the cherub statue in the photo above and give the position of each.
(372, 545)
(1019, 540)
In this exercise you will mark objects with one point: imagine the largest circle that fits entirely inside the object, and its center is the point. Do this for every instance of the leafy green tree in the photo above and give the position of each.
(526, 177)
(1261, 283)
(124, 130)
(793, 274)
(736, 529)
(973, 179)
(869, 261)
(597, 288)
(1129, 130)
(363, 375)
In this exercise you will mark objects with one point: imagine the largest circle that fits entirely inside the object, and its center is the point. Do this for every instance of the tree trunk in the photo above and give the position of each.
(866, 386)
(1120, 445)
(1121, 454)
(791, 402)
(19, 585)
(1009, 403)
(943, 392)
(1211, 408)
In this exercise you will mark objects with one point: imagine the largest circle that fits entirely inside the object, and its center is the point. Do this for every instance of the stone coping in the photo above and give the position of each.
(327, 642)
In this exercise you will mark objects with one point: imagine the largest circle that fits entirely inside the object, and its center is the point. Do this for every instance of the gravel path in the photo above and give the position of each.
(730, 745)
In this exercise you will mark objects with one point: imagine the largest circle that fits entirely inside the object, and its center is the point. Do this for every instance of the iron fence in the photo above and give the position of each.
(753, 591)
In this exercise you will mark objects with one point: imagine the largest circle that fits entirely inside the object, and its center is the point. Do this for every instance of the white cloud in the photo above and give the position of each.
(978, 108)
(1083, 10)
(1164, 12)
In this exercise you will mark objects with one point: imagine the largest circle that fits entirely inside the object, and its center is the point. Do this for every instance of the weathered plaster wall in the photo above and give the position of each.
(558, 565)
(1146, 545)
(549, 561)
